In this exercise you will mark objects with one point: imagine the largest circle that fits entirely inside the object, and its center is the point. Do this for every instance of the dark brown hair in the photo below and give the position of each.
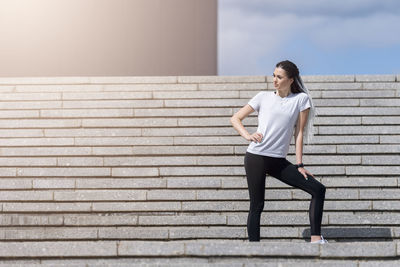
(292, 72)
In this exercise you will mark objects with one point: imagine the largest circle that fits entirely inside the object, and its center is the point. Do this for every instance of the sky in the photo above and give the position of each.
(322, 37)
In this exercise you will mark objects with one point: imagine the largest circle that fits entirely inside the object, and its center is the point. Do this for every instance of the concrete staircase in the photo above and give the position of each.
(126, 171)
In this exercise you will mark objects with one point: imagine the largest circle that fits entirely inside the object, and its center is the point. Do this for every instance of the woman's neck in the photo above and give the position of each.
(282, 93)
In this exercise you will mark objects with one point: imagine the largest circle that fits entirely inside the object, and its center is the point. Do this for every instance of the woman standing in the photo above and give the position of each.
(280, 113)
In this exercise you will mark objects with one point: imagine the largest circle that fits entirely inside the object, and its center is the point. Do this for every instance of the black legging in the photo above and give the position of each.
(257, 166)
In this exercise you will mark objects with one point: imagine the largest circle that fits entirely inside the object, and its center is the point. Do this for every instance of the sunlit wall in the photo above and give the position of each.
(108, 37)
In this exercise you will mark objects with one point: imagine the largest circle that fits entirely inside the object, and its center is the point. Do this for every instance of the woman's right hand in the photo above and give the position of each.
(255, 137)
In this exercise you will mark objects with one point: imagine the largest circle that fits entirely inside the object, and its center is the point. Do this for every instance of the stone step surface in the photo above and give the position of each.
(106, 231)
(216, 253)
(126, 171)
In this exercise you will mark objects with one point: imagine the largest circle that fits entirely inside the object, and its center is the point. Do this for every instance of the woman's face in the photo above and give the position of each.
(281, 81)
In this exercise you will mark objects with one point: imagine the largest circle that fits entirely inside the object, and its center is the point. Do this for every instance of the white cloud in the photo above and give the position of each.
(339, 8)
(377, 30)
(252, 30)
(245, 40)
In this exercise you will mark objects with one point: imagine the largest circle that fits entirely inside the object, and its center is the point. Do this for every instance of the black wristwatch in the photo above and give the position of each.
(301, 165)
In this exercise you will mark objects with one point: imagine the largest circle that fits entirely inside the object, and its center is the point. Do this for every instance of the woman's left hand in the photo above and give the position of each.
(305, 172)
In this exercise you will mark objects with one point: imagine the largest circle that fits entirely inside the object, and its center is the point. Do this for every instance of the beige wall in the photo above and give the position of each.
(108, 37)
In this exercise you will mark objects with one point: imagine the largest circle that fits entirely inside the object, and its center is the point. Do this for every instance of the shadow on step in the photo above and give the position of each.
(353, 234)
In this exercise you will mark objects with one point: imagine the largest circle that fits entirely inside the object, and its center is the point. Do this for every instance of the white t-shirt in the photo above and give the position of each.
(277, 117)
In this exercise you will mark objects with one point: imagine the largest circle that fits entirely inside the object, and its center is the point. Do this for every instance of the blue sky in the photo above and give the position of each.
(322, 37)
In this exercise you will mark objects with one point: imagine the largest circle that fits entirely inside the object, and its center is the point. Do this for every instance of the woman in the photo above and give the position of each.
(280, 113)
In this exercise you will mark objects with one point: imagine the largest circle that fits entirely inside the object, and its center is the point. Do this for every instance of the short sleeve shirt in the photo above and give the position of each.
(277, 117)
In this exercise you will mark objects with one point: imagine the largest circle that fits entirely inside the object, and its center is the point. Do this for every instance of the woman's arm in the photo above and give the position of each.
(236, 121)
(298, 138)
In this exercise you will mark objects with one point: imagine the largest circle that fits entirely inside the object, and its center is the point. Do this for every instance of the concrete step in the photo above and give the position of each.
(326, 106)
(112, 214)
(353, 227)
(188, 126)
(342, 142)
(181, 169)
(199, 262)
(237, 251)
(209, 91)
(204, 182)
(110, 202)
(193, 194)
(97, 201)
(165, 233)
(138, 161)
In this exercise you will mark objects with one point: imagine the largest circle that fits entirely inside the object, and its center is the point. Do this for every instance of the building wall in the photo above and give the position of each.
(108, 37)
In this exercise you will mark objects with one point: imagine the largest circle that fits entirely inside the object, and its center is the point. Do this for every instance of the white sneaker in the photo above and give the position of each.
(321, 241)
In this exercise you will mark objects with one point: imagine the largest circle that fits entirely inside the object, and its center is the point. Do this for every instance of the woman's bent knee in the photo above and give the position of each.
(318, 190)
(321, 191)
(257, 208)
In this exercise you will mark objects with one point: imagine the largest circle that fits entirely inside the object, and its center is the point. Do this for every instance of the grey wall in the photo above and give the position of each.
(108, 37)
